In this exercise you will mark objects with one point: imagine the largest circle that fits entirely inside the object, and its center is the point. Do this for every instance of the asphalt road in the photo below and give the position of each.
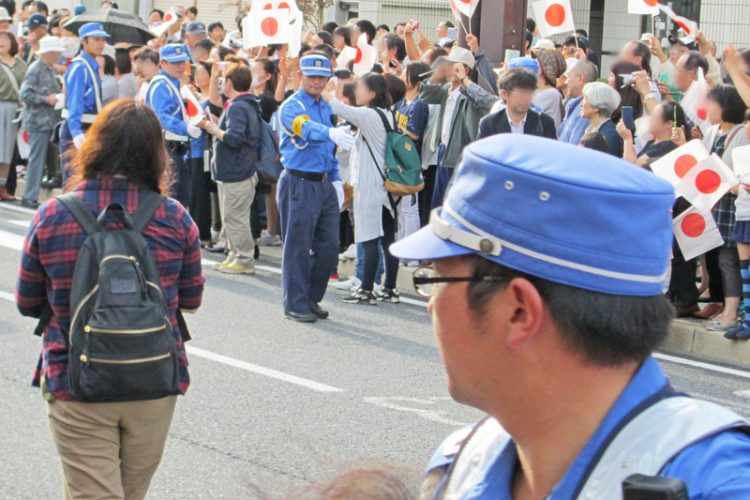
(273, 404)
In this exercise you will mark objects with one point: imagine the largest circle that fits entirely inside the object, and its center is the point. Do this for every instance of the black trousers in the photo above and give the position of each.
(200, 201)
(682, 290)
(425, 196)
(371, 254)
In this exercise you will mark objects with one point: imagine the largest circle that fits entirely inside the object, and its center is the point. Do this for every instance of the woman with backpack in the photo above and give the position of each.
(108, 295)
(374, 217)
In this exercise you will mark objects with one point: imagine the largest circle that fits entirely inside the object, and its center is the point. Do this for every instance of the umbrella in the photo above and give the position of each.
(122, 26)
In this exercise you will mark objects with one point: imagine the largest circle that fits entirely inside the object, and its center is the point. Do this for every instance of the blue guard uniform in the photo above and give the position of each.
(307, 196)
(650, 429)
(83, 96)
(163, 96)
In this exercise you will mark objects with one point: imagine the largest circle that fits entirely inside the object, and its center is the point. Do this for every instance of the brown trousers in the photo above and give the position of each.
(110, 450)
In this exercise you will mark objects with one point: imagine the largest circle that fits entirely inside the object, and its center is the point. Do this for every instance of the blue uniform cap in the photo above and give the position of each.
(36, 20)
(556, 211)
(315, 65)
(195, 27)
(79, 9)
(92, 30)
(527, 63)
(174, 52)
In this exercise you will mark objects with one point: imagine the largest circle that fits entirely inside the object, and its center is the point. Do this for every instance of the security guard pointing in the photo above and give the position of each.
(547, 301)
(163, 96)
(309, 192)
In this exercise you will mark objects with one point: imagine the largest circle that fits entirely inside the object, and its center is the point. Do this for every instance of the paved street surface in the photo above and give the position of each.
(273, 404)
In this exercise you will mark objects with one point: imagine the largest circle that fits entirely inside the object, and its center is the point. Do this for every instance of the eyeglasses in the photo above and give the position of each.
(425, 277)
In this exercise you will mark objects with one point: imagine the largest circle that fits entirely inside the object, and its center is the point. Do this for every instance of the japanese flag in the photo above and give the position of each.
(689, 26)
(675, 166)
(366, 56)
(643, 7)
(22, 140)
(167, 22)
(696, 233)
(193, 108)
(463, 7)
(265, 27)
(706, 183)
(553, 17)
(695, 101)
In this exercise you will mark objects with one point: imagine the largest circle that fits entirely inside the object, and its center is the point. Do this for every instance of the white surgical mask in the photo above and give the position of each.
(72, 45)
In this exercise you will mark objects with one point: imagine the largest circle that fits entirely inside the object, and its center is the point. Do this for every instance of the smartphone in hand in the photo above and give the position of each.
(627, 117)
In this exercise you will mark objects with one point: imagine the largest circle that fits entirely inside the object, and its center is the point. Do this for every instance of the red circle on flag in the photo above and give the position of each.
(467, 2)
(683, 164)
(707, 181)
(693, 225)
(268, 6)
(702, 113)
(358, 57)
(25, 136)
(283, 5)
(555, 15)
(190, 109)
(269, 26)
(651, 3)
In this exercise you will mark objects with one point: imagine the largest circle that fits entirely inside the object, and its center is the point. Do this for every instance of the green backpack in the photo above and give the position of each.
(403, 165)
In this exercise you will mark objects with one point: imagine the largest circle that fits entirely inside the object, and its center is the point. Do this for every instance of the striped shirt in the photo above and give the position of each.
(48, 258)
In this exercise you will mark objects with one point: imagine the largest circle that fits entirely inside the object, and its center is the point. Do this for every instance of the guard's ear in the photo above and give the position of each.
(527, 312)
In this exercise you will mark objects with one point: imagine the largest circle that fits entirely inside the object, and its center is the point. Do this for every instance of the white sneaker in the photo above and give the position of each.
(351, 283)
(349, 254)
(377, 288)
(268, 240)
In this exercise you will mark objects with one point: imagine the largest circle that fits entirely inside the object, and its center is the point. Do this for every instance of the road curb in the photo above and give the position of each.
(688, 337)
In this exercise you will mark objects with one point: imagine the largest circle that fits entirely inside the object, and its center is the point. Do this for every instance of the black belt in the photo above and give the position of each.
(309, 176)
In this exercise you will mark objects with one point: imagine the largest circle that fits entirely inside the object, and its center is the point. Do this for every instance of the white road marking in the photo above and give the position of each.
(742, 394)
(236, 363)
(20, 223)
(407, 405)
(15, 242)
(261, 370)
(19, 208)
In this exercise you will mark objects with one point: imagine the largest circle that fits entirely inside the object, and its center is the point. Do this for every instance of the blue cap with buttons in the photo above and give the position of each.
(174, 52)
(36, 20)
(527, 63)
(556, 211)
(195, 27)
(315, 65)
(95, 30)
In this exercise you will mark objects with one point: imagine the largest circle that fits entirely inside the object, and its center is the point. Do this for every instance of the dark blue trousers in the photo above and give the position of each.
(443, 177)
(309, 213)
(182, 186)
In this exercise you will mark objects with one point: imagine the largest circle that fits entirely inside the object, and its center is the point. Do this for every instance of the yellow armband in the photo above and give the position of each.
(297, 124)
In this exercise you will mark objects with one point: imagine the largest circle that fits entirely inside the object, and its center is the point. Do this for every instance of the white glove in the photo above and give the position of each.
(78, 140)
(194, 131)
(339, 186)
(341, 138)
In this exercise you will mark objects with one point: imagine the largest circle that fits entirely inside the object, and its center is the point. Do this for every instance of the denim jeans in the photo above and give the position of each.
(372, 254)
(360, 262)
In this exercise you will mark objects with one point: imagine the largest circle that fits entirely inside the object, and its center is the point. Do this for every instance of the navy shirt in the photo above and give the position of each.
(412, 116)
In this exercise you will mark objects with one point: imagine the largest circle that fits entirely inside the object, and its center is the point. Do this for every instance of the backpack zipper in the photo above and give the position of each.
(91, 329)
(85, 299)
(85, 359)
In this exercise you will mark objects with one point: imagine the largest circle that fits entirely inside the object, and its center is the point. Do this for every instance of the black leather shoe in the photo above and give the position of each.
(319, 311)
(29, 204)
(301, 317)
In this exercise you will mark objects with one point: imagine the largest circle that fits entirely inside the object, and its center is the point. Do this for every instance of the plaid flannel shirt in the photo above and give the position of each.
(49, 255)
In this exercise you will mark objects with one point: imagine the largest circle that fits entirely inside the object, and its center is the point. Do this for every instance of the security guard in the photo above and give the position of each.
(548, 268)
(309, 192)
(163, 96)
(83, 91)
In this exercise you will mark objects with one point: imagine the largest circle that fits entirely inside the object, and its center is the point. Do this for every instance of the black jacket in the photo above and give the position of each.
(536, 124)
(236, 156)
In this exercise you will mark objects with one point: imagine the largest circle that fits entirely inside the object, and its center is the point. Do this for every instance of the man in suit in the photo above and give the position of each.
(517, 88)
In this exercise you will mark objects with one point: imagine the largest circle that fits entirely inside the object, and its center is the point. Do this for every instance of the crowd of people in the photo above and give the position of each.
(267, 148)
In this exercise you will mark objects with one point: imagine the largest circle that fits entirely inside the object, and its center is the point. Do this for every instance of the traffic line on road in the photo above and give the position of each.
(236, 363)
(701, 364)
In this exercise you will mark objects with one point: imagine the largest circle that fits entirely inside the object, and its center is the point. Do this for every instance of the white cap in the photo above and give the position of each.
(4, 16)
(50, 44)
(543, 44)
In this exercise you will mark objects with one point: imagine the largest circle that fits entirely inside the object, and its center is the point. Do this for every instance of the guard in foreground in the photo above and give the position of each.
(548, 265)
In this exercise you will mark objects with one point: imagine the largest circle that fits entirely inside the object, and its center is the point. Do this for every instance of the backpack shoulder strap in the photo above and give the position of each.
(81, 212)
(146, 209)
(388, 128)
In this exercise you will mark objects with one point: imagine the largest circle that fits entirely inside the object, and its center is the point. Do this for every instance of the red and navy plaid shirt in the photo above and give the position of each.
(49, 255)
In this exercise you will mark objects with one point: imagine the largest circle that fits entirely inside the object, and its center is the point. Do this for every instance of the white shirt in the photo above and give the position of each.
(450, 107)
(517, 128)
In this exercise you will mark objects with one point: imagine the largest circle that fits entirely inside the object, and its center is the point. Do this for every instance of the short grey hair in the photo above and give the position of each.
(601, 97)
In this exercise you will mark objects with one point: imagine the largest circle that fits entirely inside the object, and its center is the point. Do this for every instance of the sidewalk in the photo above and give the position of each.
(686, 338)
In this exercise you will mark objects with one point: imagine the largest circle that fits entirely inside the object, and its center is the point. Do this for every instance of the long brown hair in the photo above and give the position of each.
(125, 140)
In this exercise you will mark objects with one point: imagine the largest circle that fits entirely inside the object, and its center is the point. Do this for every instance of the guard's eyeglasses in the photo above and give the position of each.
(425, 277)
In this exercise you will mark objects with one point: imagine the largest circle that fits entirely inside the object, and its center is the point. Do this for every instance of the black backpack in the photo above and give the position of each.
(120, 340)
